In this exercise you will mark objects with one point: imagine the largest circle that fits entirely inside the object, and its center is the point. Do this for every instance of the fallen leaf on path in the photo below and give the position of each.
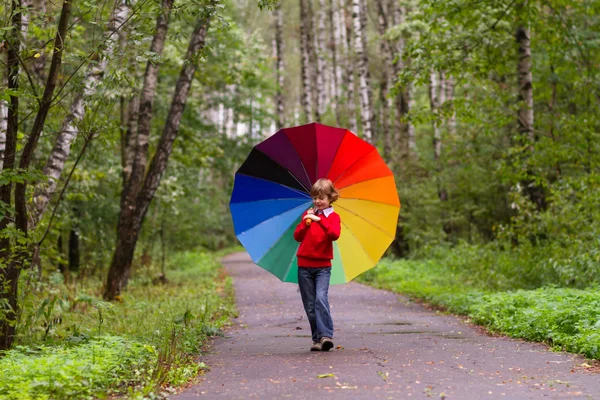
(320, 376)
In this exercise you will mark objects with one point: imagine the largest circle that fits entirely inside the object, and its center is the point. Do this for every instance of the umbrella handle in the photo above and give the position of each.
(308, 221)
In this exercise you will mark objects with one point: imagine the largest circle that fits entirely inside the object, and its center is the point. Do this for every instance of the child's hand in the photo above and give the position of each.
(312, 216)
(310, 211)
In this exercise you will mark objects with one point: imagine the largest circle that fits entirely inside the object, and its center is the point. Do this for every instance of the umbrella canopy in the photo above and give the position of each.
(271, 192)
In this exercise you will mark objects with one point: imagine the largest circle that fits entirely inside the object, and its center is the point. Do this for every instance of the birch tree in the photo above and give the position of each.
(386, 80)
(337, 25)
(360, 45)
(525, 114)
(305, 54)
(350, 70)
(321, 70)
(13, 257)
(69, 129)
(404, 132)
(140, 189)
(279, 65)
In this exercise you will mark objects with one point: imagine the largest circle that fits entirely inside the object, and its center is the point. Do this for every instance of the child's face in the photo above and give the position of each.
(321, 202)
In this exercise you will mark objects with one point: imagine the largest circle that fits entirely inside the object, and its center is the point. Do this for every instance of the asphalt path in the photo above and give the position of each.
(386, 347)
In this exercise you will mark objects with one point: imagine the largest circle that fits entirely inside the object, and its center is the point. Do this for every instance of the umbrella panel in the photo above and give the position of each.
(280, 259)
(381, 215)
(263, 236)
(248, 215)
(351, 149)
(371, 166)
(259, 165)
(380, 190)
(353, 257)
(247, 189)
(374, 240)
(279, 148)
(329, 140)
(304, 140)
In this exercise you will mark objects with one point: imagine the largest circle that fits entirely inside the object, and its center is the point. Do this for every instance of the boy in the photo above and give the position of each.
(317, 230)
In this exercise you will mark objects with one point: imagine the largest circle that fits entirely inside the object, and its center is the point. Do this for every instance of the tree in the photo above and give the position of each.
(141, 186)
(14, 258)
(360, 45)
(69, 129)
(307, 92)
(279, 99)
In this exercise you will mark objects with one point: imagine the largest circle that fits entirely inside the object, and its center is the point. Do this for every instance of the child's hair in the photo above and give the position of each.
(324, 187)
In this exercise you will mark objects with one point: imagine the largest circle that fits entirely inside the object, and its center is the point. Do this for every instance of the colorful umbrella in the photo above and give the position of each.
(271, 192)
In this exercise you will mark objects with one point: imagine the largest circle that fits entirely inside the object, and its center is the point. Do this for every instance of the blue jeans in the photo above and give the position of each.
(314, 286)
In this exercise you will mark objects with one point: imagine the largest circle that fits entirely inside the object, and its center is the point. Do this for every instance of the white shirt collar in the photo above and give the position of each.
(327, 211)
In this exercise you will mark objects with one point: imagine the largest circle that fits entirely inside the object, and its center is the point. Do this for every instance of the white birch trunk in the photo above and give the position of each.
(450, 97)
(318, 60)
(279, 65)
(69, 129)
(360, 45)
(305, 52)
(334, 39)
(350, 68)
(525, 113)
(339, 43)
(434, 102)
(405, 131)
(386, 80)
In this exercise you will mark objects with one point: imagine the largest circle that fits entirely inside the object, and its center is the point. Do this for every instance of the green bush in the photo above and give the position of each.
(149, 339)
(565, 318)
(83, 371)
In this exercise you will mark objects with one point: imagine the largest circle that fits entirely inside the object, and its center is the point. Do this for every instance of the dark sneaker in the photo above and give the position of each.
(316, 346)
(326, 344)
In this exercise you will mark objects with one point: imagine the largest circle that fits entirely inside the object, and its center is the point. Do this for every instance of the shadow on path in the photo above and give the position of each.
(390, 349)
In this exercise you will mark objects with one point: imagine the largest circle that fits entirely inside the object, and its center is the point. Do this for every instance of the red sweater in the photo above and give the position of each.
(316, 240)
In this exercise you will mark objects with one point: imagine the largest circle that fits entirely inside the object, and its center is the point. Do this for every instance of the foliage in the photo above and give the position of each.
(73, 344)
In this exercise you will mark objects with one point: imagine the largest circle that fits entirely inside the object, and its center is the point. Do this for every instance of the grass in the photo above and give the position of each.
(566, 318)
(75, 345)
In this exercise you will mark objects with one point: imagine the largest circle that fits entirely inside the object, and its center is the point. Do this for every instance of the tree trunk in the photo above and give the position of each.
(130, 220)
(386, 81)
(350, 68)
(138, 154)
(525, 99)
(140, 160)
(305, 53)
(321, 70)
(336, 25)
(3, 125)
(279, 49)
(74, 251)
(360, 45)
(404, 132)
(69, 130)
(11, 271)
(525, 112)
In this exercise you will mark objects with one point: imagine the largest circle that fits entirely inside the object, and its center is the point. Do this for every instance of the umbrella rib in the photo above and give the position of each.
(370, 179)
(284, 167)
(299, 159)
(351, 165)
(364, 219)
(361, 245)
(277, 183)
(371, 201)
(268, 219)
(338, 149)
(287, 271)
